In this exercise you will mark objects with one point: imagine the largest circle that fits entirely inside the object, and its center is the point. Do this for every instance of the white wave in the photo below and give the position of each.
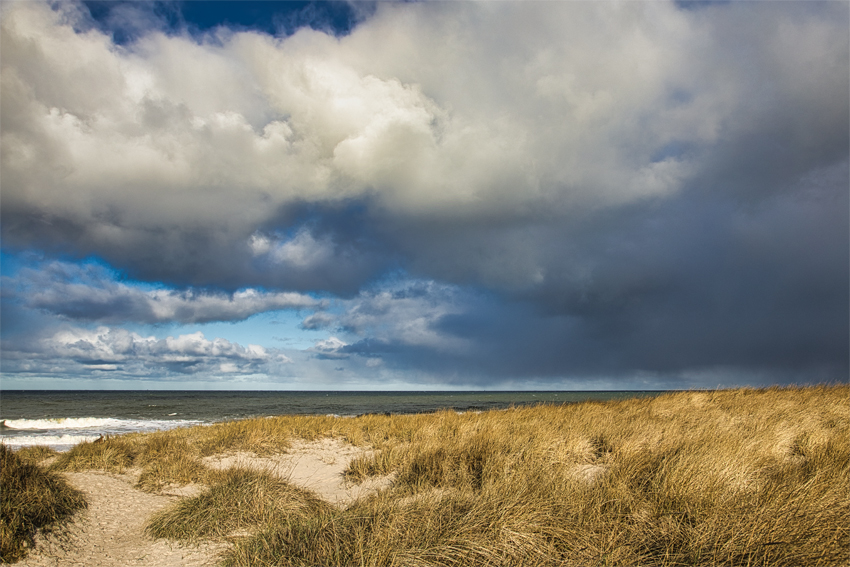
(105, 423)
(54, 441)
(64, 433)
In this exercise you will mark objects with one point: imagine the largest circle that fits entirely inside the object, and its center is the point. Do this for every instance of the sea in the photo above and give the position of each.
(61, 419)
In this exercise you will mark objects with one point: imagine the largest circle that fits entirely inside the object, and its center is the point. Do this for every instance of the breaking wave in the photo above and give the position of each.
(108, 423)
(62, 433)
(58, 442)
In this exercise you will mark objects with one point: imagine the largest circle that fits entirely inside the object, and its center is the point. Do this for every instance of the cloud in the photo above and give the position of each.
(693, 286)
(330, 348)
(89, 293)
(80, 351)
(406, 313)
(317, 321)
(211, 139)
(301, 251)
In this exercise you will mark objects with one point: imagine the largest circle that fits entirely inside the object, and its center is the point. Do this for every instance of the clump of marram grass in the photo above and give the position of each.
(168, 459)
(432, 527)
(274, 434)
(112, 454)
(236, 500)
(163, 457)
(35, 453)
(31, 499)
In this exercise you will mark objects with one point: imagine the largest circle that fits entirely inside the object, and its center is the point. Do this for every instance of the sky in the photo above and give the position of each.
(424, 195)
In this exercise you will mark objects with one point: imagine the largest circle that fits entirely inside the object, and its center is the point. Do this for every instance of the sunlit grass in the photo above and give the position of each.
(236, 500)
(30, 499)
(112, 454)
(731, 477)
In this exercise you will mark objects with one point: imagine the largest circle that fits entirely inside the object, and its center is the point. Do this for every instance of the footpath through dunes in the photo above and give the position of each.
(111, 531)
(318, 466)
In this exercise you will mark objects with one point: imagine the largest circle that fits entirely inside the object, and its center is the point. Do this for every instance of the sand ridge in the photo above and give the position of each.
(110, 532)
(315, 465)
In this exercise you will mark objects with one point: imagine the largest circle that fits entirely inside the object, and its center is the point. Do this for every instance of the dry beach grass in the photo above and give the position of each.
(731, 477)
(31, 499)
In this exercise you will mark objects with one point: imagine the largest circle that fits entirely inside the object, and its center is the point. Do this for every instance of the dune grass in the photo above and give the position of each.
(111, 454)
(35, 454)
(236, 500)
(730, 477)
(746, 477)
(31, 499)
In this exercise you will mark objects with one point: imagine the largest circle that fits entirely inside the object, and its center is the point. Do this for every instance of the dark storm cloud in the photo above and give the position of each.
(326, 251)
(694, 283)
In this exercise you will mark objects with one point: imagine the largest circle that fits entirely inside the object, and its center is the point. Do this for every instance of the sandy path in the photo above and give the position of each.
(315, 465)
(110, 533)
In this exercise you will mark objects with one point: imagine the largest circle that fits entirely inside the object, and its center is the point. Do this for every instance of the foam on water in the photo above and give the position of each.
(107, 423)
(57, 442)
(65, 432)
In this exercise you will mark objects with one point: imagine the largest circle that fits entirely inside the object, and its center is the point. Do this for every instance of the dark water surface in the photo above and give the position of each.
(63, 418)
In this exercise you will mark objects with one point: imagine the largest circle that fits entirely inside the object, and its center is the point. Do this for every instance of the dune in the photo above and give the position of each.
(111, 531)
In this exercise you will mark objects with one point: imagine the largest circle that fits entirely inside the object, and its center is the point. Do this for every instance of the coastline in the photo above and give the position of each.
(694, 477)
(61, 419)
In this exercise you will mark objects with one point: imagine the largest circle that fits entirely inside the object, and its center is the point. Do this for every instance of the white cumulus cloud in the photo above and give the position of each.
(76, 349)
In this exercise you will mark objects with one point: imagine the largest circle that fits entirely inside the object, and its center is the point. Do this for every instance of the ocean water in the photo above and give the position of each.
(61, 419)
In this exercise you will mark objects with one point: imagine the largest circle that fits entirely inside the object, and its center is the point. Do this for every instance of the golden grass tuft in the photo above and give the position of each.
(112, 454)
(163, 457)
(236, 500)
(36, 453)
(31, 499)
(168, 459)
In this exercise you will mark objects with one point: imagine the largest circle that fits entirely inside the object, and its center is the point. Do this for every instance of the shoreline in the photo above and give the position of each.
(772, 460)
(73, 418)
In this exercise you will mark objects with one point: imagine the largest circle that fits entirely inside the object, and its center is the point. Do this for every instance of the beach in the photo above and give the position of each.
(745, 476)
(111, 531)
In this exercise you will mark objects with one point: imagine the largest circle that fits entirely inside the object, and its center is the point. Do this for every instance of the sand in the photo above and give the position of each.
(110, 533)
(315, 465)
